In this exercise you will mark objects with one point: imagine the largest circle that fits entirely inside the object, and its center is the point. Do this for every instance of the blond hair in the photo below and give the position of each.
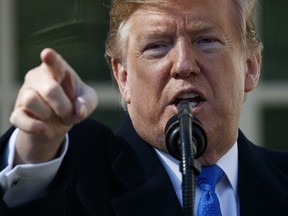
(121, 10)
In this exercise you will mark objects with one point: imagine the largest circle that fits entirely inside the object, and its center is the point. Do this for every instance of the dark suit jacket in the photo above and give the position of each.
(103, 174)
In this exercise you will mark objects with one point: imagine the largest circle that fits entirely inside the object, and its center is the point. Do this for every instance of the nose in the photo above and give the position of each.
(184, 60)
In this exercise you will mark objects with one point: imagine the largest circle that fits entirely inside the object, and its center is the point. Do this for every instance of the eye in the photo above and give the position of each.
(155, 46)
(156, 50)
(208, 44)
(207, 40)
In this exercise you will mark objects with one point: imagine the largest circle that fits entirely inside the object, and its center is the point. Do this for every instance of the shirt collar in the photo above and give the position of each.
(230, 169)
(229, 164)
(172, 167)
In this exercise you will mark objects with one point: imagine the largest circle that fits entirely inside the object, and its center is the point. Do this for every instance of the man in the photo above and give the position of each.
(161, 52)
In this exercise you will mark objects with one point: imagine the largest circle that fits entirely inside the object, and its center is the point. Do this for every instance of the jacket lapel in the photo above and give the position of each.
(150, 192)
(263, 188)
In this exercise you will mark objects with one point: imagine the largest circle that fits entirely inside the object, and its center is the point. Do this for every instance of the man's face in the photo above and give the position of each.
(186, 49)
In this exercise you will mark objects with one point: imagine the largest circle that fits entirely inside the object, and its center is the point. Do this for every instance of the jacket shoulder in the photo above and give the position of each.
(251, 153)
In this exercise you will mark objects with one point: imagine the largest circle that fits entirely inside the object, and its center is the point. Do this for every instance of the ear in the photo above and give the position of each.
(121, 77)
(253, 64)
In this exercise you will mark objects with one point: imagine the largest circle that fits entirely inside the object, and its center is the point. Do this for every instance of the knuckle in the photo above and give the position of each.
(55, 97)
(13, 118)
(20, 120)
(50, 91)
(28, 97)
(30, 75)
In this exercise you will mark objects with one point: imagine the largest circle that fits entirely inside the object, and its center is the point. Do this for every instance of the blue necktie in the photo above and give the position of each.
(209, 204)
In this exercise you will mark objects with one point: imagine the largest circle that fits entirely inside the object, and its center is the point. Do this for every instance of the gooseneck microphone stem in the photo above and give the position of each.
(186, 141)
(188, 165)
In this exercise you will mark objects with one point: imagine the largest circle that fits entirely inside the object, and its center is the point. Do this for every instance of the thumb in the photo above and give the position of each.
(85, 103)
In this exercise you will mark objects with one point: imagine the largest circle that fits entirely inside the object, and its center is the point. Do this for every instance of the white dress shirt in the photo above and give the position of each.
(226, 189)
(26, 182)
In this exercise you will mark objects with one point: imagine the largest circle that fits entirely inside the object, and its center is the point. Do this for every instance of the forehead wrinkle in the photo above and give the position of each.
(159, 30)
(156, 26)
(196, 25)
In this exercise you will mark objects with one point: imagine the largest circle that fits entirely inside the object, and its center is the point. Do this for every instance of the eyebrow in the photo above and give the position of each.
(201, 27)
(197, 27)
(156, 32)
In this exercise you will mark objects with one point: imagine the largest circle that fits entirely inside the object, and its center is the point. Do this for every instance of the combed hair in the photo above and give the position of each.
(121, 10)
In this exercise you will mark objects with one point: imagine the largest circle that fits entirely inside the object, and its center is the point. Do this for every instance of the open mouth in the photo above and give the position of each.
(194, 98)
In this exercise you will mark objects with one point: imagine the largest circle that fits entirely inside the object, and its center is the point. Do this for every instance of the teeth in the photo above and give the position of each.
(188, 95)
(193, 104)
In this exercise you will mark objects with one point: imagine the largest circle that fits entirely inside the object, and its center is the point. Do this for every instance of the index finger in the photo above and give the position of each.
(58, 67)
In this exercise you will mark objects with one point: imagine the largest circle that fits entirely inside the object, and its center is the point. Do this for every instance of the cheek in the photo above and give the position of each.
(226, 81)
(229, 74)
(149, 78)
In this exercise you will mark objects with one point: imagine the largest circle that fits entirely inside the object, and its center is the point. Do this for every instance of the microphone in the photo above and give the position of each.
(186, 141)
(182, 120)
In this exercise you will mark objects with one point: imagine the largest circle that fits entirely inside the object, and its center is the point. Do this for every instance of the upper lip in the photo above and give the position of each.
(188, 94)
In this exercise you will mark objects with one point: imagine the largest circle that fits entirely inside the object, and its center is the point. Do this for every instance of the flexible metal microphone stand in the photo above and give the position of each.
(186, 141)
